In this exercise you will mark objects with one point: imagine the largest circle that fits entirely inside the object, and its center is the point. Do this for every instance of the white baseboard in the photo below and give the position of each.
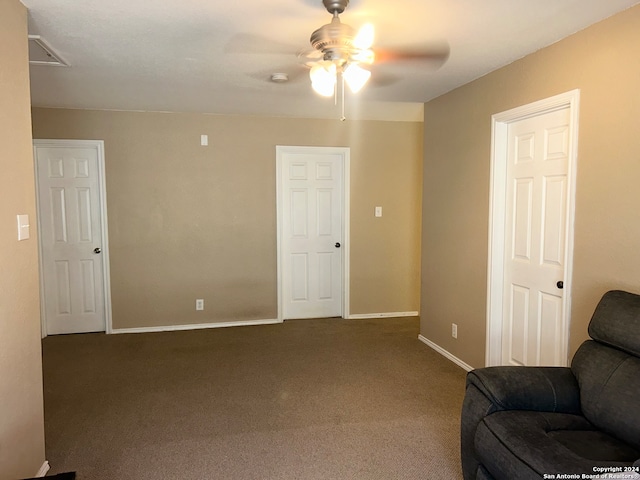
(357, 316)
(445, 353)
(43, 469)
(195, 326)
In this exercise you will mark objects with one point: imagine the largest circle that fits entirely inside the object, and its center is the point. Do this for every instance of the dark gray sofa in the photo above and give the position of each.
(521, 423)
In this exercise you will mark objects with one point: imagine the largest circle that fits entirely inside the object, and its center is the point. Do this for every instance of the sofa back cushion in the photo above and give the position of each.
(616, 321)
(608, 367)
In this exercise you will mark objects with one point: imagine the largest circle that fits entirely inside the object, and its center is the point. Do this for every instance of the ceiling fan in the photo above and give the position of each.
(342, 56)
(340, 52)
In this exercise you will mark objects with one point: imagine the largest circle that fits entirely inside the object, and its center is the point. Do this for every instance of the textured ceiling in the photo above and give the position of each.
(216, 57)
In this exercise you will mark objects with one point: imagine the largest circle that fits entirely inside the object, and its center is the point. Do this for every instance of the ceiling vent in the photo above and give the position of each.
(41, 53)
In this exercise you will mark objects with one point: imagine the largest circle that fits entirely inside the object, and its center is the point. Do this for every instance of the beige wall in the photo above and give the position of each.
(189, 222)
(601, 61)
(21, 417)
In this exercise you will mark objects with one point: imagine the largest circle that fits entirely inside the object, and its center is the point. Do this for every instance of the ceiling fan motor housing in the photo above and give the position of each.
(334, 40)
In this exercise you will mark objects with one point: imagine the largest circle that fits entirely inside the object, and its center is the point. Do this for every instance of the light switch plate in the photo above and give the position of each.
(378, 211)
(23, 227)
(204, 140)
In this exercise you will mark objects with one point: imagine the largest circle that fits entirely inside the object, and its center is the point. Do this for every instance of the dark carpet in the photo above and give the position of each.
(308, 399)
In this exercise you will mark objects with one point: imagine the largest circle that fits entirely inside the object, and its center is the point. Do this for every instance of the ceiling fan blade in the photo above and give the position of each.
(383, 79)
(309, 57)
(364, 38)
(248, 43)
(436, 54)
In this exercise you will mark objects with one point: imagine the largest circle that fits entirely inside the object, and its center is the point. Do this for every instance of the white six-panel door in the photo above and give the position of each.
(71, 238)
(537, 185)
(311, 200)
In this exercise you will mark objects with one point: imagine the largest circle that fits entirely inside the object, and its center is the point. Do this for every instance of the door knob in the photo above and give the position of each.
(337, 244)
(97, 250)
(560, 284)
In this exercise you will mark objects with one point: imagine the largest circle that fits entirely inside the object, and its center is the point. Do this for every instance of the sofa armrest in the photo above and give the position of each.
(548, 389)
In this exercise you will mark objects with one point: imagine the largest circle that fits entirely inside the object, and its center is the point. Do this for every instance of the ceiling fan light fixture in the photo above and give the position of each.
(356, 77)
(326, 89)
(323, 78)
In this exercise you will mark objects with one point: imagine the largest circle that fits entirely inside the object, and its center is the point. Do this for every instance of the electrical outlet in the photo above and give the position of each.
(200, 304)
(454, 330)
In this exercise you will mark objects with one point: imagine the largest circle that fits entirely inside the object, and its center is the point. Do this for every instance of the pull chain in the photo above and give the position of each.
(342, 117)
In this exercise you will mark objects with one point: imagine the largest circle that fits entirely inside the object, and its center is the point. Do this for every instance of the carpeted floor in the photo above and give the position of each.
(308, 399)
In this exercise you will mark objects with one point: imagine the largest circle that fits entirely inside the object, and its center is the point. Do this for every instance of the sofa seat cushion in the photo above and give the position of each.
(526, 445)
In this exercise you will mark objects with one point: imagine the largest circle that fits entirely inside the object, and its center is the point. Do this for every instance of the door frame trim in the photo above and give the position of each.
(497, 211)
(345, 152)
(98, 145)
